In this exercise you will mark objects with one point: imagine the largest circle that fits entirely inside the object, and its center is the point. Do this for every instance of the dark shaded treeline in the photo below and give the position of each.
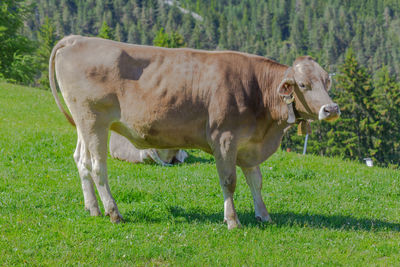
(281, 30)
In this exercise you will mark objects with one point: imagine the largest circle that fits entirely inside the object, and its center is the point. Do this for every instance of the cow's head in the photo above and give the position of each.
(309, 84)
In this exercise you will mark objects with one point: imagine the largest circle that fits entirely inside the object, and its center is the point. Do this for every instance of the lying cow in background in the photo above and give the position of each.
(121, 148)
(233, 105)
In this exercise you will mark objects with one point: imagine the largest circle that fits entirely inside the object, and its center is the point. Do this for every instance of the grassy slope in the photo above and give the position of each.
(325, 210)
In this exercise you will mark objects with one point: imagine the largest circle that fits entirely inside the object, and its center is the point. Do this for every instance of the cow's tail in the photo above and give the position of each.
(53, 87)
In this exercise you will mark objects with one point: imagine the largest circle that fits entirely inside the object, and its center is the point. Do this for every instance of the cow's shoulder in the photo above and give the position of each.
(237, 98)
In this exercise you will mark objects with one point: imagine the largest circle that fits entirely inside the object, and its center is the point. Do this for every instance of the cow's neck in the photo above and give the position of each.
(269, 75)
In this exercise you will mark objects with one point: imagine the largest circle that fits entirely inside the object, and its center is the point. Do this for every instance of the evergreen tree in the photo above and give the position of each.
(196, 38)
(16, 60)
(161, 39)
(133, 34)
(187, 26)
(387, 95)
(119, 35)
(47, 39)
(354, 95)
(172, 40)
(106, 32)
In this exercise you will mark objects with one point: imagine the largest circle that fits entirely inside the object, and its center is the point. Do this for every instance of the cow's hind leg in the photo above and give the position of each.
(225, 159)
(84, 165)
(254, 180)
(95, 139)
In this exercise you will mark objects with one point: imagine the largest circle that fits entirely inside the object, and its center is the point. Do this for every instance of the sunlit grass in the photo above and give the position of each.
(325, 211)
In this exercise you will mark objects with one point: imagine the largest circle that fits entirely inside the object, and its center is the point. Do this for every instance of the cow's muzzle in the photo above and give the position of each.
(329, 112)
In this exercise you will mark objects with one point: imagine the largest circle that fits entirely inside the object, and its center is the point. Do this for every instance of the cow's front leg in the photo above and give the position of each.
(227, 180)
(225, 158)
(254, 180)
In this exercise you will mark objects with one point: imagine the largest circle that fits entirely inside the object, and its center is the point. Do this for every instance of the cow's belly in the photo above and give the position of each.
(163, 133)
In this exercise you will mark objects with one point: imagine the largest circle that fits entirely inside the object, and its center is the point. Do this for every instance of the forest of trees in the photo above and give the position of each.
(358, 40)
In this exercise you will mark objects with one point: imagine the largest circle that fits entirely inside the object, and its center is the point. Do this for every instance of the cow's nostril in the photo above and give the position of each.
(329, 112)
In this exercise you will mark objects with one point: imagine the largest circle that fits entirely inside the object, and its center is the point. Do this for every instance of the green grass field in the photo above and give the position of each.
(325, 211)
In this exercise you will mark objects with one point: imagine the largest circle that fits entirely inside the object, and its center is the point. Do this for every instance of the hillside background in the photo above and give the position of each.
(281, 30)
(357, 40)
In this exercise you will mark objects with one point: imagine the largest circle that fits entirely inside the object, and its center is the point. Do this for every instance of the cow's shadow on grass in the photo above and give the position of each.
(193, 159)
(333, 222)
(290, 219)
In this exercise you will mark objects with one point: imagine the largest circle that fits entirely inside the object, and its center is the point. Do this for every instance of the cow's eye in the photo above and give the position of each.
(302, 85)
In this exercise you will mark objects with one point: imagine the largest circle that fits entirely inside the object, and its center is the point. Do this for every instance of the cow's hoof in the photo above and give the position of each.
(115, 217)
(95, 212)
(264, 219)
(232, 224)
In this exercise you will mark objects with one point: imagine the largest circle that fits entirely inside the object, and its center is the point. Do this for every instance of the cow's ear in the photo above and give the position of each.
(286, 87)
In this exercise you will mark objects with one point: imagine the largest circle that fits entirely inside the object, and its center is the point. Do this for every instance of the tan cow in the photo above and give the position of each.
(121, 148)
(233, 105)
